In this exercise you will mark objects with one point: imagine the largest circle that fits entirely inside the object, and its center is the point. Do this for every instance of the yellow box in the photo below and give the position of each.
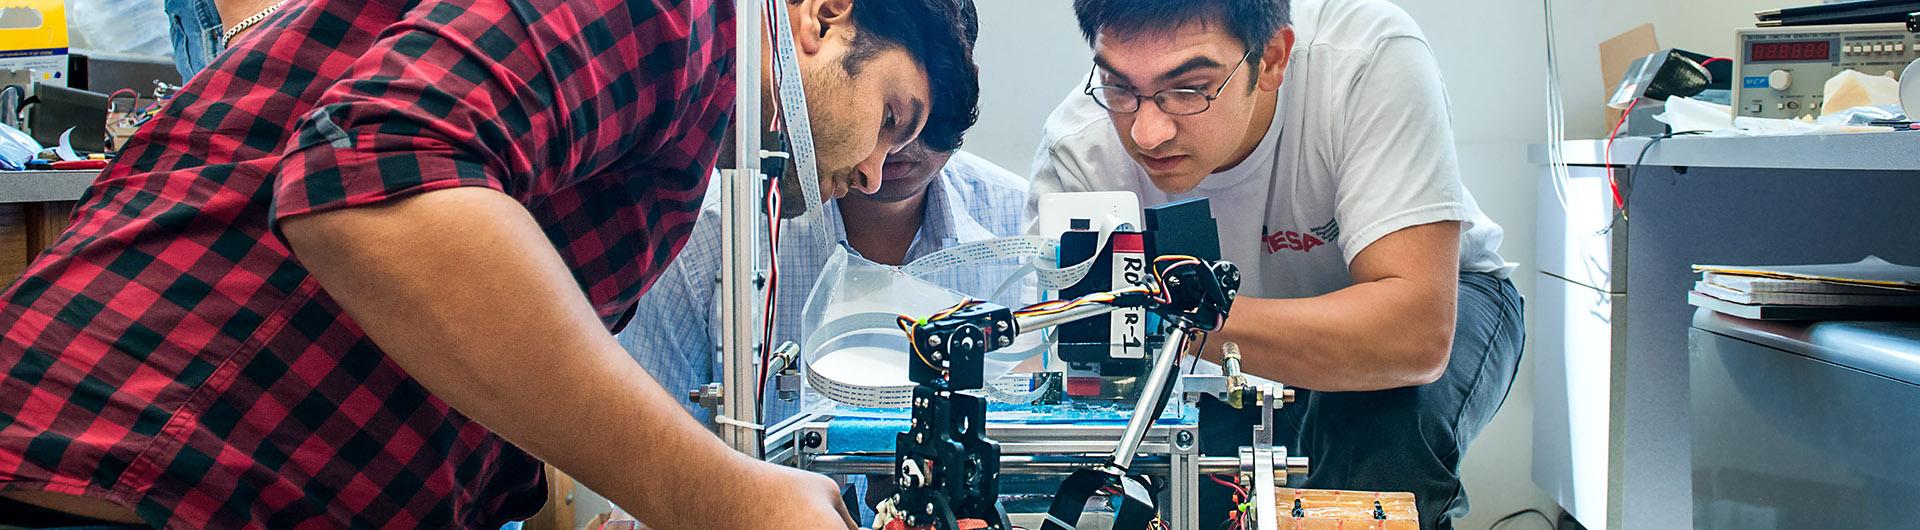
(33, 37)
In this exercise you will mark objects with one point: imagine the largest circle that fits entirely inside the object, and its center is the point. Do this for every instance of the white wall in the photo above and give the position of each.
(1030, 56)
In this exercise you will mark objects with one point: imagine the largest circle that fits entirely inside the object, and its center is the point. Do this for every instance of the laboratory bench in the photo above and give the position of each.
(1610, 327)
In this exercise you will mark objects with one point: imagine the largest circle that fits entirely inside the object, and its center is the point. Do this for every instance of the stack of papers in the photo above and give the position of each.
(1869, 289)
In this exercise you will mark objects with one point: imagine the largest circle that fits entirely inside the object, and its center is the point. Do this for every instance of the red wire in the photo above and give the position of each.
(1236, 486)
(1703, 64)
(774, 222)
(135, 96)
(1613, 185)
(773, 282)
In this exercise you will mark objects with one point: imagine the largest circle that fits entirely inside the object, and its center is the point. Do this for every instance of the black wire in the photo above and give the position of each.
(1516, 515)
(1199, 354)
(1633, 172)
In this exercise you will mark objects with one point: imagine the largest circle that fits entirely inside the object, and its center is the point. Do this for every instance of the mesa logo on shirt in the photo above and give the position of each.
(1278, 240)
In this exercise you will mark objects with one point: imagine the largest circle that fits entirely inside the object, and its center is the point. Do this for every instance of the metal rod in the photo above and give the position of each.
(739, 385)
(1296, 465)
(1145, 412)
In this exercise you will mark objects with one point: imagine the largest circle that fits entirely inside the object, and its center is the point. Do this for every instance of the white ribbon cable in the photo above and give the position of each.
(1037, 250)
(1017, 397)
(854, 393)
(840, 386)
(793, 108)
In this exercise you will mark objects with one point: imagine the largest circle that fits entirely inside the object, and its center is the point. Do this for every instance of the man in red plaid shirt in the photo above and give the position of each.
(363, 268)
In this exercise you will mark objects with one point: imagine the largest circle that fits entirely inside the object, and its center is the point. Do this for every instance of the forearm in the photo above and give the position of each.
(461, 289)
(1370, 336)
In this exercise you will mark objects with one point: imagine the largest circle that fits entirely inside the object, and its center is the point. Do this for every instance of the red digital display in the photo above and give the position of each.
(1819, 50)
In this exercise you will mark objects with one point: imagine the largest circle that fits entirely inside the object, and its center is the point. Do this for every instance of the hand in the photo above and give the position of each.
(780, 497)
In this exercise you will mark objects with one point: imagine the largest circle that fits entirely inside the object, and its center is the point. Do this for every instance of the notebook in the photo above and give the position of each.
(1870, 289)
(1869, 272)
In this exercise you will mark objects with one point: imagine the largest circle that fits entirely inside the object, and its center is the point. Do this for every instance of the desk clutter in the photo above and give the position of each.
(1869, 289)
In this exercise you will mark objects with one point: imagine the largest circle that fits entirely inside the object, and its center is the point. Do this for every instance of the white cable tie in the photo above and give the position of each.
(724, 420)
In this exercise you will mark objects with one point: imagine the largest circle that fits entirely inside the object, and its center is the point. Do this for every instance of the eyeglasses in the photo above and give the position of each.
(1173, 101)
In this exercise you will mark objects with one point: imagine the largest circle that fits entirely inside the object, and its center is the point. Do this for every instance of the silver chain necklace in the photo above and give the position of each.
(250, 21)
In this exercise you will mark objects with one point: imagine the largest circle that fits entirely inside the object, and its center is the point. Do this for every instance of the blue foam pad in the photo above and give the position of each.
(863, 430)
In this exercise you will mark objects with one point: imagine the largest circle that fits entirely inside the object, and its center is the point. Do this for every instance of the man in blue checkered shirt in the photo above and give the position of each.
(927, 201)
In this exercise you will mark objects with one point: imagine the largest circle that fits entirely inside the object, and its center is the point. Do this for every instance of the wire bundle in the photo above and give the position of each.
(1236, 519)
(1156, 290)
(774, 222)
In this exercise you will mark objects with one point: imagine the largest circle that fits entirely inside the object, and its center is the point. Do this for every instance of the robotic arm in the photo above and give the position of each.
(945, 465)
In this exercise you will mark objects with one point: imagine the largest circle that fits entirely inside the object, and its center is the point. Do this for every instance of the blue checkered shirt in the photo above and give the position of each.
(675, 332)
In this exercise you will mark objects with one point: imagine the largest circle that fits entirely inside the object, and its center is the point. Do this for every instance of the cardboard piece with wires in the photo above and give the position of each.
(1647, 85)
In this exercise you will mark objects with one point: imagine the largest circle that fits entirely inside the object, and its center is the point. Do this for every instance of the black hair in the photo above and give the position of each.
(1252, 22)
(938, 34)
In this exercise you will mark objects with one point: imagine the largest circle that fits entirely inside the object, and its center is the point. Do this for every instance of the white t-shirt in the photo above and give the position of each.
(1361, 146)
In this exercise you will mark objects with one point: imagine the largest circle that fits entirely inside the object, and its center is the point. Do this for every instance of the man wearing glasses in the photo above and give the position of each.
(1320, 133)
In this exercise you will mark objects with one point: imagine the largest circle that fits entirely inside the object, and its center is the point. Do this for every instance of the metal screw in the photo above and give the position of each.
(919, 438)
(811, 440)
(929, 508)
(1001, 325)
(1184, 439)
(1005, 341)
(934, 341)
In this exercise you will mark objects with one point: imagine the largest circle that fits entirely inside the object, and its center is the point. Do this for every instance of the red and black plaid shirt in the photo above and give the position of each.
(168, 353)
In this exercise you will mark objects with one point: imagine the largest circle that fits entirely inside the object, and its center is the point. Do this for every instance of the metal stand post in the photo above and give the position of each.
(737, 208)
